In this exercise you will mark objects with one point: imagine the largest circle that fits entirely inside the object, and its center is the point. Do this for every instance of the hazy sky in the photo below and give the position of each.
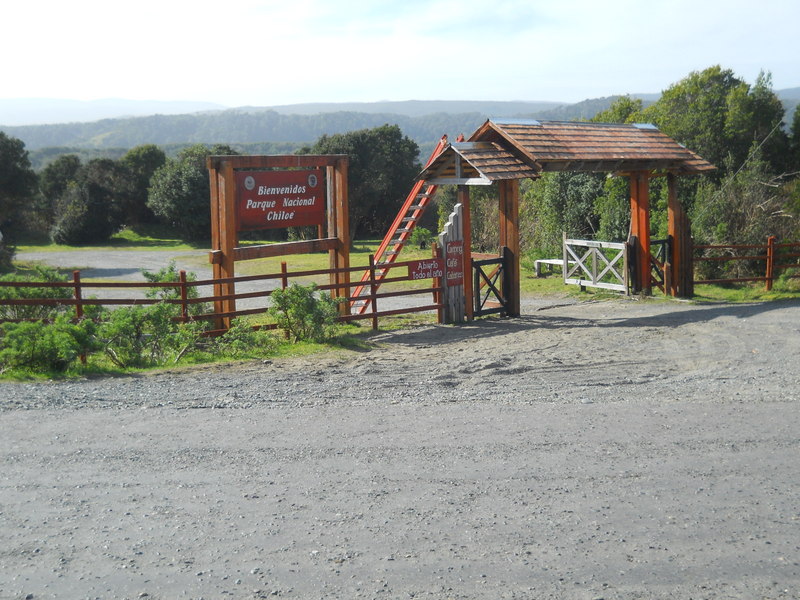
(268, 52)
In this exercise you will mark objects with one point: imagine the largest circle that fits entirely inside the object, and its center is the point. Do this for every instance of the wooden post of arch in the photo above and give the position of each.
(509, 238)
(640, 228)
(469, 300)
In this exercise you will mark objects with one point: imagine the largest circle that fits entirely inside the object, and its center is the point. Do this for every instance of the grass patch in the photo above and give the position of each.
(782, 289)
(144, 237)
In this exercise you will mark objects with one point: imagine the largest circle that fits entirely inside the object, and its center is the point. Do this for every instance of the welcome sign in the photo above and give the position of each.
(276, 199)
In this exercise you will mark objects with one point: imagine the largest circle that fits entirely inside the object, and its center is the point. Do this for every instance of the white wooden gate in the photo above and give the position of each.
(596, 264)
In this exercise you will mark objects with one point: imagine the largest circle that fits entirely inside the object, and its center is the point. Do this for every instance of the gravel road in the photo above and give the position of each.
(616, 450)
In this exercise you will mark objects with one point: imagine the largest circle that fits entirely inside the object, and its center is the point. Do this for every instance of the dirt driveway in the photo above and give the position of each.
(616, 450)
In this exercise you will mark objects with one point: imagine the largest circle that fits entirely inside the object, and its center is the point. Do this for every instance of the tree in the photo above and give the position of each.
(382, 169)
(794, 144)
(750, 204)
(53, 183)
(88, 211)
(180, 194)
(716, 114)
(623, 110)
(140, 163)
(17, 184)
(562, 202)
(17, 179)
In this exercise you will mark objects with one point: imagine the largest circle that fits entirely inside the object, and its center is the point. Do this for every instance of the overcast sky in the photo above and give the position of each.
(270, 52)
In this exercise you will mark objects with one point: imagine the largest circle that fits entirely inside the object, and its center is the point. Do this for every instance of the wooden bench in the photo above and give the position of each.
(550, 262)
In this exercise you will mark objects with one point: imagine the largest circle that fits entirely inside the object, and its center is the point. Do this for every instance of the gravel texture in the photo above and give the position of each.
(603, 450)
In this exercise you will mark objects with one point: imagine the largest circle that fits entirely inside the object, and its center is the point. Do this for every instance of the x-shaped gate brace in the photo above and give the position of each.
(608, 266)
(490, 283)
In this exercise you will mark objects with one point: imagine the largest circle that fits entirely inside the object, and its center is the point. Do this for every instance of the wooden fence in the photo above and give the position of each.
(777, 257)
(79, 290)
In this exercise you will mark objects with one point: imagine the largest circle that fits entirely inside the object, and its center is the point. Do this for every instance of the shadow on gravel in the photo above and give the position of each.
(701, 313)
(674, 316)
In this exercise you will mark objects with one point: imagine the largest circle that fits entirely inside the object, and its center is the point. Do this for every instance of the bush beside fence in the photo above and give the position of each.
(779, 259)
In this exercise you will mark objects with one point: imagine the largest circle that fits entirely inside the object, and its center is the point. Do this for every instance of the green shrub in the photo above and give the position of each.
(171, 274)
(45, 347)
(422, 237)
(41, 274)
(303, 314)
(141, 336)
(241, 340)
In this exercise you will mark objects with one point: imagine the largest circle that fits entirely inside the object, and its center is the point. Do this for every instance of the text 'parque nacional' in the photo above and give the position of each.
(277, 199)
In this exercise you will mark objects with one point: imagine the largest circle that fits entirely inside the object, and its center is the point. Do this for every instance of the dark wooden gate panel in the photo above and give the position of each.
(491, 283)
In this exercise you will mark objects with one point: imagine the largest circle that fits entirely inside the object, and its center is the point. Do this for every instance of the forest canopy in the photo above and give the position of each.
(77, 198)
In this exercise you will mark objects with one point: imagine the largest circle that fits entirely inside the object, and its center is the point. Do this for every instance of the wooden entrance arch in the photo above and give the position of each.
(507, 150)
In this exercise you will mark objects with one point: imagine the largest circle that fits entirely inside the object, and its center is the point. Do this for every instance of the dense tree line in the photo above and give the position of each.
(735, 125)
(77, 202)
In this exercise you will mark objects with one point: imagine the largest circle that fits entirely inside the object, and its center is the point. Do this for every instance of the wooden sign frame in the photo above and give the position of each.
(225, 249)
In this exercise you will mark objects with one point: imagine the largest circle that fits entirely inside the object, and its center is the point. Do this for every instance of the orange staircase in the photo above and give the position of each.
(399, 234)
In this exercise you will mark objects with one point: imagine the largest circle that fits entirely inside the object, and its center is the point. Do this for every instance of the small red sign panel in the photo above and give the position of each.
(275, 199)
(454, 254)
(426, 269)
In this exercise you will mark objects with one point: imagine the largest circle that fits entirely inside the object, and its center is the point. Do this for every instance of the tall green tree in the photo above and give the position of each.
(383, 165)
(140, 163)
(17, 187)
(88, 211)
(180, 194)
(54, 181)
(716, 114)
(623, 110)
(17, 179)
(794, 143)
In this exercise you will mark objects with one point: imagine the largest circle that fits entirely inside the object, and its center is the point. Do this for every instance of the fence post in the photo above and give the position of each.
(770, 261)
(184, 296)
(373, 290)
(76, 279)
(437, 283)
(284, 276)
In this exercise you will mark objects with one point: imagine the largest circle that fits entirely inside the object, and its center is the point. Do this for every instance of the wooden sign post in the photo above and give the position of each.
(267, 192)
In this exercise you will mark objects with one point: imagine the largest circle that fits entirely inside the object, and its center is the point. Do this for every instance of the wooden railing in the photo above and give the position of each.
(81, 289)
(777, 257)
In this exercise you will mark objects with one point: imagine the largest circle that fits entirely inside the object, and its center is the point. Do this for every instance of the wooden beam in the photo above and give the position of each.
(270, 250)
(463, 198)
(509, 238)
(299, 161)
(342, 233)
(228, 237)
(640, 227)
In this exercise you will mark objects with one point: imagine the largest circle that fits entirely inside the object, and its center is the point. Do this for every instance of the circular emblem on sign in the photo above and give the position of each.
(249, 183)
(312, 180)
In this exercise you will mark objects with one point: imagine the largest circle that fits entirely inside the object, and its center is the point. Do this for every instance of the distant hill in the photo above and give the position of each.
(37, 111)
(283, 129)
(417, 108)
(791, 99)
(252, 125)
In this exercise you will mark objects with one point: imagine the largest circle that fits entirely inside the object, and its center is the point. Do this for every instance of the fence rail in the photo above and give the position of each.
(773, 253)
(80, 290)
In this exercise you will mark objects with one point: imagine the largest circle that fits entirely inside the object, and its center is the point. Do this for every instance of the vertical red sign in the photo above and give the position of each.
(454, 255)
(273, 199)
